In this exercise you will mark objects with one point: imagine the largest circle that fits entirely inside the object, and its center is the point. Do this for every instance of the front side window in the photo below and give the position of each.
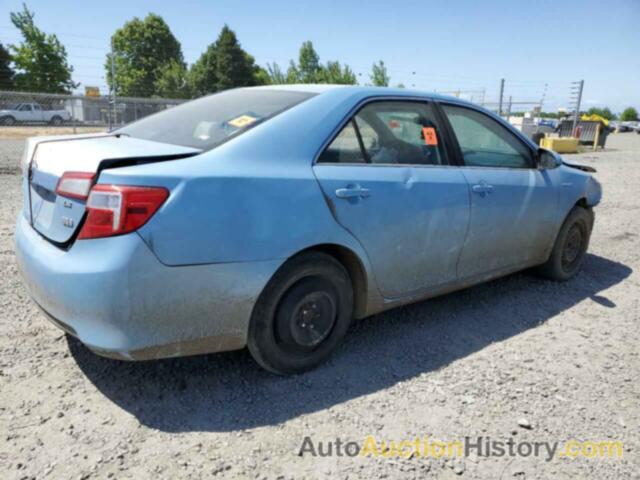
(390, 132)
(484, 142)
(209, 121)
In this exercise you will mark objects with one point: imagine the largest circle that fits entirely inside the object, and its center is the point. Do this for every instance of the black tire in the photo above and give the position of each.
(570, 246)
(302, 314)
(8, 121)
(56, 120)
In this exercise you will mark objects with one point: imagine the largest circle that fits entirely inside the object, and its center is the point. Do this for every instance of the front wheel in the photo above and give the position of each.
(8, 121)
(570, 247)
(302, 315)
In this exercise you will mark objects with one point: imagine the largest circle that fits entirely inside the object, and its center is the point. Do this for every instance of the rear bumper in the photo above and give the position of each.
(117, 298)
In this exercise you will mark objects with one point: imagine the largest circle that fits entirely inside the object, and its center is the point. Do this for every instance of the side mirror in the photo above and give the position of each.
(547, 159)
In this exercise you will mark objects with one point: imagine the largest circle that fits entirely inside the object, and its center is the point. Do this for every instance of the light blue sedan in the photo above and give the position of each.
(271, 217)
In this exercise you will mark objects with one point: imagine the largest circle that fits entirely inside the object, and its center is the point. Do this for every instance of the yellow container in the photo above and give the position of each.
(560, 145)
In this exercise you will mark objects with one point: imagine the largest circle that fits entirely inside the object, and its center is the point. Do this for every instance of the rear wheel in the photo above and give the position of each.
(570, 246)
(56, 120)
(302, 315)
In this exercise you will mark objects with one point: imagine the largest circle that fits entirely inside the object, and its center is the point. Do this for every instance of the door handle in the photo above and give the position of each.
(352, 191)
(482, 188)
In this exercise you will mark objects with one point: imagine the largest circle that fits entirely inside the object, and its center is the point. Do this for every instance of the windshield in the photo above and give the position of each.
(207, 122)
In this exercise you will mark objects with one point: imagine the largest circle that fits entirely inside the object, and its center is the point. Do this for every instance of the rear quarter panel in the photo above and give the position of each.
(234, 217)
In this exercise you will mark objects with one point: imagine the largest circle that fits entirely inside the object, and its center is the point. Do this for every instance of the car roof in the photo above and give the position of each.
(367, 90)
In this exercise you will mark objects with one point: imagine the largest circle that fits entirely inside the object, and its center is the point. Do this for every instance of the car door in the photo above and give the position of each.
(38, 114)
(387, 180)
(513, 203)
(24, 113)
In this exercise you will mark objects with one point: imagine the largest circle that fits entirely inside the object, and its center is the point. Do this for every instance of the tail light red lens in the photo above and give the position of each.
(117, 209)
(75, 185)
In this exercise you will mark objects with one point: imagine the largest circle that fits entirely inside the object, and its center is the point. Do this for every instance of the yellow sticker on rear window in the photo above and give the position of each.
(242, 121)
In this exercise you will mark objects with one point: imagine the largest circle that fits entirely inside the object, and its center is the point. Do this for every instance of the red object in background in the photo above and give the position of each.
(577, 132)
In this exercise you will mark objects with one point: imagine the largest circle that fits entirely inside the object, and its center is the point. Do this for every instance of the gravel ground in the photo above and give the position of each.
(563, 357)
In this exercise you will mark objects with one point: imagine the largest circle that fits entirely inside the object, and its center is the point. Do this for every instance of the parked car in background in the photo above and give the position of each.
(32, 113)
(270, 217)
(621, 127)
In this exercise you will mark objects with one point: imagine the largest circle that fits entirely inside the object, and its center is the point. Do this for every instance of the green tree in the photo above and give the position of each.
(6, 72)
(310, 70)
(400, 85)
(203, 78)
(144, 50)
(603, 112)
(276, 76)
(308, 63)
(40, 60)
(379, 76)
(260, 76)
(333, 72)
(172, 81)
(293, 74)
(234, 66)
(224, 64)
(629, 114)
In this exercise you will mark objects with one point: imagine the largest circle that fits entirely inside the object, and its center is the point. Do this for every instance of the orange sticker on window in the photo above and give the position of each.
(430, 137)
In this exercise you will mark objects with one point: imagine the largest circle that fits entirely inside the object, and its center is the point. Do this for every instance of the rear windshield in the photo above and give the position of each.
(209, 121)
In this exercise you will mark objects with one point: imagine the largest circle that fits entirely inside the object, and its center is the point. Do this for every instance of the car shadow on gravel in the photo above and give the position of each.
(228, 391)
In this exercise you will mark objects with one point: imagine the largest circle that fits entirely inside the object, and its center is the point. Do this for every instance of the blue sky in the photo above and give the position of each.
(450, 45)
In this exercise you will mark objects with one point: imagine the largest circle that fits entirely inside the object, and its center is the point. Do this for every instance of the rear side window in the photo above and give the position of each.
(389, 132)
(484, 142)
(345, 148)
(209, 121)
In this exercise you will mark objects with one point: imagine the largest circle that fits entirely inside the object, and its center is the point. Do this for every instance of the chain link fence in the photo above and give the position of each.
(37, 109)
(30, 109)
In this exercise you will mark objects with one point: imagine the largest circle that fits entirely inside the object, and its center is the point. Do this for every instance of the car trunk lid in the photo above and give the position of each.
(58, 217)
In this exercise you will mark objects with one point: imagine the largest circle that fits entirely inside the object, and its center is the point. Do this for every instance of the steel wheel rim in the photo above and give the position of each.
(573, 247)
(313, 319)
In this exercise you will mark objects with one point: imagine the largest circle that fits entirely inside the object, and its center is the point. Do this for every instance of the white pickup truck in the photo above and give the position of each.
(32, 113)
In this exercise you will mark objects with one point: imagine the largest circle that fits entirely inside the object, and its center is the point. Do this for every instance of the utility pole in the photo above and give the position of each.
(113, 88)
(501, 95)
(576, 96)
(509, 108)
(484, 91)
(544, 94)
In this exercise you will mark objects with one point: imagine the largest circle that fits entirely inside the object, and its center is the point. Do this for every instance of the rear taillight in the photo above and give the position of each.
(75, 185)
(117, 209)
